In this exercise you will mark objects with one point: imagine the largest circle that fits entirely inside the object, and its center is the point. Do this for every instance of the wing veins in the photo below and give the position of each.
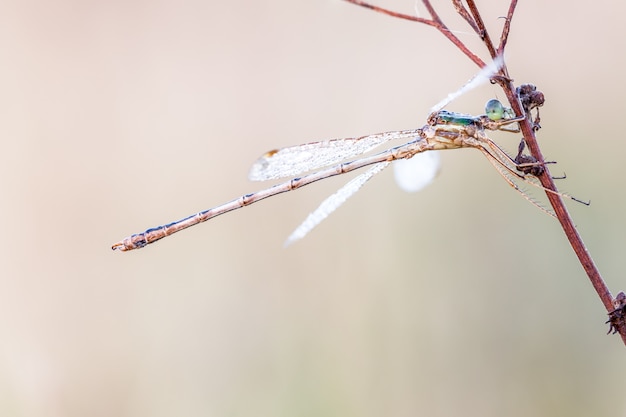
(295, 160)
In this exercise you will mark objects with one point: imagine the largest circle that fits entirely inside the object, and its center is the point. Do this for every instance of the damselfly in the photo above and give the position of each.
(444, 130)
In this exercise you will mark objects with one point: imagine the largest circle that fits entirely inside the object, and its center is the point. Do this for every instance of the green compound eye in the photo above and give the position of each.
(495, 110)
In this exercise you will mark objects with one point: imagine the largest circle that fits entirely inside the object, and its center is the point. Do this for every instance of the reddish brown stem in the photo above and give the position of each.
(561, 211)
(476, 22)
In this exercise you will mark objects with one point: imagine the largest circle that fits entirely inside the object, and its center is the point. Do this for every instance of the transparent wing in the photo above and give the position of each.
(294, 160)
(481, 77)
(331, 203)
(416, 173)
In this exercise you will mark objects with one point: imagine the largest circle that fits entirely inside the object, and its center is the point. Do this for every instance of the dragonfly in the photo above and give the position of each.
(443, 130)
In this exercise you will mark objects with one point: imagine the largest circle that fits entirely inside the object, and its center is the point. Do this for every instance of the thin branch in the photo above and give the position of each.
(616, 313)
(434, 22)
(462, 11)
(481, 25)
(507, 27)
(392, 13)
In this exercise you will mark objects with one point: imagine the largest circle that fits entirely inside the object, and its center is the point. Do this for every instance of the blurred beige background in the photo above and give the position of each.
(462, 299)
